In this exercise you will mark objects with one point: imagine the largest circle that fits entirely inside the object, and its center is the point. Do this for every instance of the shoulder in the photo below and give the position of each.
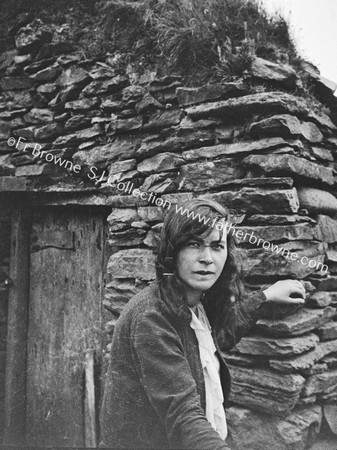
(145, 303)
(145, 322)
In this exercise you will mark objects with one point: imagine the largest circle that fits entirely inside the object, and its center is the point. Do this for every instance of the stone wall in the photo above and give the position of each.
(260, 145)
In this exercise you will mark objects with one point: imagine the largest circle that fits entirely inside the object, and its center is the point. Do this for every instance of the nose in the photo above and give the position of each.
(205, 256)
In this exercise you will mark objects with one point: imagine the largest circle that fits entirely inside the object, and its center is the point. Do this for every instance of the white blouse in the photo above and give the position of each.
(215, 412)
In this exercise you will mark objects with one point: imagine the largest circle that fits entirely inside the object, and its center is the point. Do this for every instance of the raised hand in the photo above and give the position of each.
(280, 292)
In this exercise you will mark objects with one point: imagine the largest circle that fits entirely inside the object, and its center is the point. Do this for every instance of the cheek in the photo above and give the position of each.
(181, 263)
(221, 261)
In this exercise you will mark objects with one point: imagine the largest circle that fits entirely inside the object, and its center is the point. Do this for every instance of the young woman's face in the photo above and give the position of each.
(200, 262)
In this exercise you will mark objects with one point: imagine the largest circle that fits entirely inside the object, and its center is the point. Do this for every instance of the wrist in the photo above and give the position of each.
(266, 293)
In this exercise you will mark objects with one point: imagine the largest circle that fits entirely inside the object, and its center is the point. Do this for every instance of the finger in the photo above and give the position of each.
(300, 284)
(291, 301)
(297, 300)
(299, 291)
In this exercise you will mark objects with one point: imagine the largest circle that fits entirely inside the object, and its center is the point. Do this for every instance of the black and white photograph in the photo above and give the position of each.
(168, 225)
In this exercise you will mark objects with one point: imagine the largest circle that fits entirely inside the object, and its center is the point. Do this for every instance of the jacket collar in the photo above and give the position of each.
(173, 300)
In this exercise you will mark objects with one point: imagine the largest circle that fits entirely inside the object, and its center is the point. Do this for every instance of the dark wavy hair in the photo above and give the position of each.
(182, 223)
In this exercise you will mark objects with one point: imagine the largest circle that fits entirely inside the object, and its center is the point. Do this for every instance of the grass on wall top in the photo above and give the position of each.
(196, 38)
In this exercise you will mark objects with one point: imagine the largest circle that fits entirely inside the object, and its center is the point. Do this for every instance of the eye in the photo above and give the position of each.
(193, 244)
(218, 247)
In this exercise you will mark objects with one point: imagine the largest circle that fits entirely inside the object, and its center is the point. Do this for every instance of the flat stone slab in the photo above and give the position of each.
(103, 156)
(151, 213)
(331, 359)
(251, 430)
(286, 125)
(202, 176)
(259, 345)
(125, 125)
(322, 154)
(15, 83)
(118, 292)
(304, 363)
(132, 263)
(326, 229)
(276, 259)
(317, 200)
(248, 199)
(328, 284)
(270, 182)
(74, 76)
(244, 360)
(214, 151)
(321, 299)
(122, 218)
(248, 105)
(160, 183)
(193, 95)
(109, 86)
(258, 200)
(327, 331)
(279, 219)
(299, 323)
(320, 383)
(168, 118)
(37, 170)
(268, 70)
(39, 115)
(264, 390)
(131, 237)
(47, 74)
(274, 233)
(122, 166)
(122, 201)
(321, 119)
(289, 165)
(160, 163)
(47, 131)
(191, 138)
(83, 104)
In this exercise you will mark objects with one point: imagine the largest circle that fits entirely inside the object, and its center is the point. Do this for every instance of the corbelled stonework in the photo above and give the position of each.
(142, 142)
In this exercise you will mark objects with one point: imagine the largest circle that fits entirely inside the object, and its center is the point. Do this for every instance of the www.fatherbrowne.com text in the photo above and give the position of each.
(112, 180)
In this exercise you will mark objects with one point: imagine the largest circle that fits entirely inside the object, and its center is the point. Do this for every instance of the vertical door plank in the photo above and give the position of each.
(15, 399)
(64, 326)
(89, 407)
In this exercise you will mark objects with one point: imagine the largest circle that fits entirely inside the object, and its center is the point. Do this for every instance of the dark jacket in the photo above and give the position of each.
(154, 394)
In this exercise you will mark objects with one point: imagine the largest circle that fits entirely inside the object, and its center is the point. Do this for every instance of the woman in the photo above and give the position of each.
(167, 382)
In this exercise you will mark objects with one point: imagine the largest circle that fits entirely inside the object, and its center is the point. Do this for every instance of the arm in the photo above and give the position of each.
(243, 315)
(240, 319)
(166, 376)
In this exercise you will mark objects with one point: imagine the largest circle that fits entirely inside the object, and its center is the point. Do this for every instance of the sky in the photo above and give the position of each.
(314, 27)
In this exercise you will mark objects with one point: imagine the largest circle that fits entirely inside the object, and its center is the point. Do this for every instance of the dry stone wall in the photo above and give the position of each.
(257, 145)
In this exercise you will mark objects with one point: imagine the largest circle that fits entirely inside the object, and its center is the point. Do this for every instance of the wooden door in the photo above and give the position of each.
(64, 333)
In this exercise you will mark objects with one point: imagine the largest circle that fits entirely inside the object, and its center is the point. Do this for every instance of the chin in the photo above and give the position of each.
(202, 286)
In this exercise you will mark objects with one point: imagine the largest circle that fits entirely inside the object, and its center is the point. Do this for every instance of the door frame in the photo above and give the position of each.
(17, 327)
(18, 316)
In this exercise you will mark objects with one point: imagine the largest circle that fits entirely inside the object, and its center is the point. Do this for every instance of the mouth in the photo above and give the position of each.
(204, 272)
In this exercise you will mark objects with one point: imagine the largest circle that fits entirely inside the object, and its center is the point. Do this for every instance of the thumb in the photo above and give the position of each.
(296, 300)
